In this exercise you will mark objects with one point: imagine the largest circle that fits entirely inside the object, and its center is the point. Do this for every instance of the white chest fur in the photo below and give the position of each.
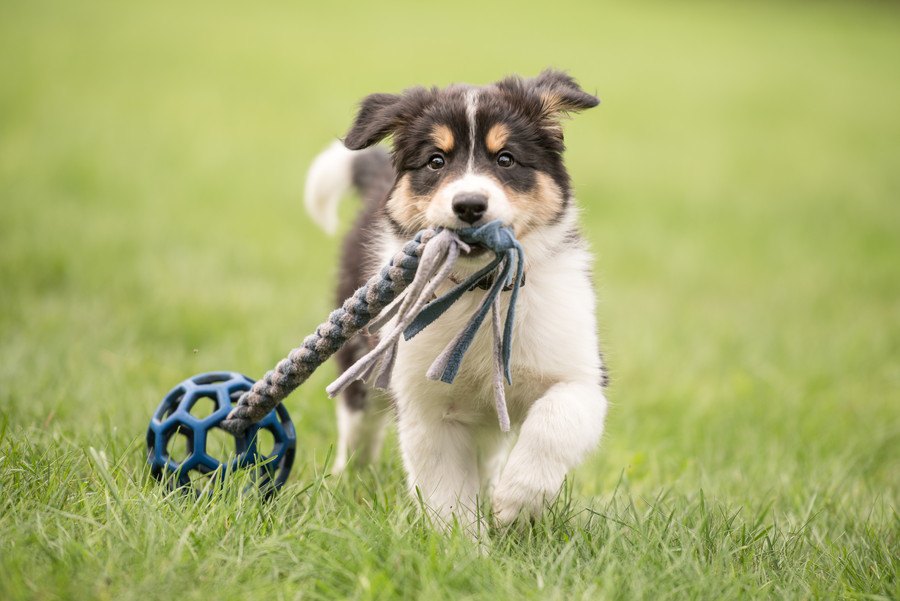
(554, 340)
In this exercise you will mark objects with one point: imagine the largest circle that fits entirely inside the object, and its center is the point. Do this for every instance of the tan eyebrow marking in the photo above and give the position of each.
(497, 137)
(443, 138)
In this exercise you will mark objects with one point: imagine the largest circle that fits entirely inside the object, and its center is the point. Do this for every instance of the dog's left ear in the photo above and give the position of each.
(560, 94)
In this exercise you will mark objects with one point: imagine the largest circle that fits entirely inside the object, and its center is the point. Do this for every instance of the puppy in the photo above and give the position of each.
(464, 156)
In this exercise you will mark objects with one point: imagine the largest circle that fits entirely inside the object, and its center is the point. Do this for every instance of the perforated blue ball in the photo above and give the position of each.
(187, 448)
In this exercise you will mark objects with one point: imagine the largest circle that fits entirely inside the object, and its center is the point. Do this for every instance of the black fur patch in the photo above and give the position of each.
(604, 374)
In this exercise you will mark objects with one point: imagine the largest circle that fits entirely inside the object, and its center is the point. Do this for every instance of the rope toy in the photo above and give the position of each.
(418, 269)
(409, 281)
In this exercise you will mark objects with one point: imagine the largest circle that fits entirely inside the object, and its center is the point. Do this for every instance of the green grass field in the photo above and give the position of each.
(741, 189)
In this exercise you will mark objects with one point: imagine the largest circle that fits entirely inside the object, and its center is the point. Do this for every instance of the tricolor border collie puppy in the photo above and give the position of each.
(464, 156)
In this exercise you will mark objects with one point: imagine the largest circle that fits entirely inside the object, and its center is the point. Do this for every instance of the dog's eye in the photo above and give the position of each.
(506, 160)
(436, 162)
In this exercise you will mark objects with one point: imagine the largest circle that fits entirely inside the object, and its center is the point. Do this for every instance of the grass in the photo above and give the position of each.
(739, 186)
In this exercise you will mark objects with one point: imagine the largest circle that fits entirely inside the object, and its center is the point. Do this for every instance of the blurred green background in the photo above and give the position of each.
(739, 185)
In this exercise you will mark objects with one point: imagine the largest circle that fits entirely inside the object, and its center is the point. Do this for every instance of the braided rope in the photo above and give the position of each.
(421, 267)
(342, 324)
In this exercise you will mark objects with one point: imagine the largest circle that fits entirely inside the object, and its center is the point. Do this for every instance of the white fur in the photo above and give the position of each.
(452, 447)
(471, 110)
(329, 177)
(449, 437)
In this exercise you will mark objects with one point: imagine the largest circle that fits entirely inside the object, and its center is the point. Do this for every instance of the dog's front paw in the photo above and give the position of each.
(524, 492)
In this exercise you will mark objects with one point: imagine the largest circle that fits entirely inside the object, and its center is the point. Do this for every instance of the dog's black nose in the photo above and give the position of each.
(470, 206)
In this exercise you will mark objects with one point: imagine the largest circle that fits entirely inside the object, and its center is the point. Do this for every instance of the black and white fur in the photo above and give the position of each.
(467, 155)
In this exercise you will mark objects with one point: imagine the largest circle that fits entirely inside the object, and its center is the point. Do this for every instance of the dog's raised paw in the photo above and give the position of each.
(522, 495)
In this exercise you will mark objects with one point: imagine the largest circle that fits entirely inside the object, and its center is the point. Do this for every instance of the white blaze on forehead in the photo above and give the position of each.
(440, 209)
(471, 107)
(473, 183)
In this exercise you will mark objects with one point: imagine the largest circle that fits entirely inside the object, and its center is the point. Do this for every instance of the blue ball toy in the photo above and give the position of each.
(187, 448)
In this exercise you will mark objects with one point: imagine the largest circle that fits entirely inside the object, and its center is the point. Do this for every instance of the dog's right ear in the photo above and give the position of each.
(378, 116)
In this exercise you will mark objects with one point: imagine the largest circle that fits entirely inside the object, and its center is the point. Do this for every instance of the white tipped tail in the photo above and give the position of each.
(328, 179)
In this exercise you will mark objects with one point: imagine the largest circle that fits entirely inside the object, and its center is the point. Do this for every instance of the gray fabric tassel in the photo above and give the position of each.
(435, 265)
(403, 289)
(499, 386)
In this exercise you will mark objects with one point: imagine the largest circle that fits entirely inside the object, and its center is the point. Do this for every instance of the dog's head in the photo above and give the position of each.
(468, 155)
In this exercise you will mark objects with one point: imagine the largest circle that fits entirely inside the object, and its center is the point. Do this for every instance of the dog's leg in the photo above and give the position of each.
(360, 429)
(561, 428)
(494, 448)
(362, 415)
(441, 465)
